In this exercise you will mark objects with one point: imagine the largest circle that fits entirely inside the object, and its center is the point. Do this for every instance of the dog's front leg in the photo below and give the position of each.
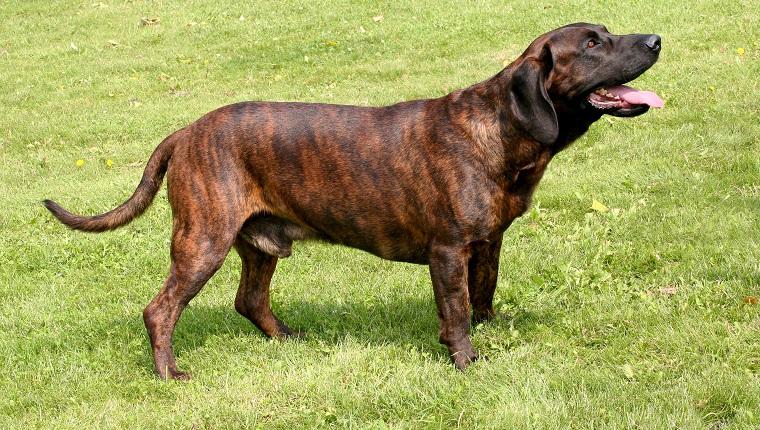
(448, 270)
(482, 278)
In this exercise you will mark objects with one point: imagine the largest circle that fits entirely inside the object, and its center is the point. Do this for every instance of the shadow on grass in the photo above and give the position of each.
(401, 322)
(105, 335)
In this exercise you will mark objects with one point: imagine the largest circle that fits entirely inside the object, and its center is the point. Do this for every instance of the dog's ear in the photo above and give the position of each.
(529, 103)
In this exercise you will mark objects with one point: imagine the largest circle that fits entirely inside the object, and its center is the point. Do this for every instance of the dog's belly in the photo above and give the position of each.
(275, 236)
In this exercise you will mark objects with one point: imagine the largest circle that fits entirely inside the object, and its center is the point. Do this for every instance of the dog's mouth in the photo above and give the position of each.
(622, 100)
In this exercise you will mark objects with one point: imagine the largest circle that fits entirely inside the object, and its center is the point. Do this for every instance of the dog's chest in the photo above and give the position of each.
(522, 184)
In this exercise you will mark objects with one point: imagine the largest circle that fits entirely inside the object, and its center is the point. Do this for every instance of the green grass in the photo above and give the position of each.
(629, 318)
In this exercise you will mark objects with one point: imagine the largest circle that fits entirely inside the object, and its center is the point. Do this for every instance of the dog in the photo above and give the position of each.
(433, 181)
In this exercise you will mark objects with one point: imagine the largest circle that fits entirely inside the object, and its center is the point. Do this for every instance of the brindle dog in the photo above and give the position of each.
(433, 181)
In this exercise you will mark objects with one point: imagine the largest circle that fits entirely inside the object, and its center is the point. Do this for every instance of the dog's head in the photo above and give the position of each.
(578, 72)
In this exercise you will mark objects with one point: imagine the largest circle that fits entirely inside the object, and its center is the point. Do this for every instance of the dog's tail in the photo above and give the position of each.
(150, 184)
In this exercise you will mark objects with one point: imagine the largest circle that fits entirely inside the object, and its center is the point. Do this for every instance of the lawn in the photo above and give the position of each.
(641, 312)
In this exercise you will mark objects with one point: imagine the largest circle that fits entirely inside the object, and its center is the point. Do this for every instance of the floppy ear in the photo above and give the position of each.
(529, 103)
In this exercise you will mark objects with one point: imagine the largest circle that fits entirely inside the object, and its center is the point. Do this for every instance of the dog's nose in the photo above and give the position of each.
(653, 42)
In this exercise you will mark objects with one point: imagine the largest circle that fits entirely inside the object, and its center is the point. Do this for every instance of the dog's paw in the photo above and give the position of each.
(488, 315)
(174, 375)
(181, 376)
(286, 332)
(462, 361)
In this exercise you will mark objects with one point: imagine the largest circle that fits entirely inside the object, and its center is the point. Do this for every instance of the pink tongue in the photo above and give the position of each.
(636, 97)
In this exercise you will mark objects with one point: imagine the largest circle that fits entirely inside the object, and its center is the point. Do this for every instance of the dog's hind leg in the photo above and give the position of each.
(196, 255)
(252, 299)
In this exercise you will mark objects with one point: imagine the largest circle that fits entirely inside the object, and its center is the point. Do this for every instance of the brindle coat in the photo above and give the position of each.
(431, 182)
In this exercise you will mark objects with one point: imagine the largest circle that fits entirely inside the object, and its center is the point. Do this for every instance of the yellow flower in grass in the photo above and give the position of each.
(109, 163)
(80, 162)
(740, 51)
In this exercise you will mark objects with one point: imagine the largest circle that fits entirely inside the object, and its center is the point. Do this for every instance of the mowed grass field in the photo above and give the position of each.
(641, 312)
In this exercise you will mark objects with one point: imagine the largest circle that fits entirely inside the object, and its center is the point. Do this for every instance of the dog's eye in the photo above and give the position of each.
(592, 43)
